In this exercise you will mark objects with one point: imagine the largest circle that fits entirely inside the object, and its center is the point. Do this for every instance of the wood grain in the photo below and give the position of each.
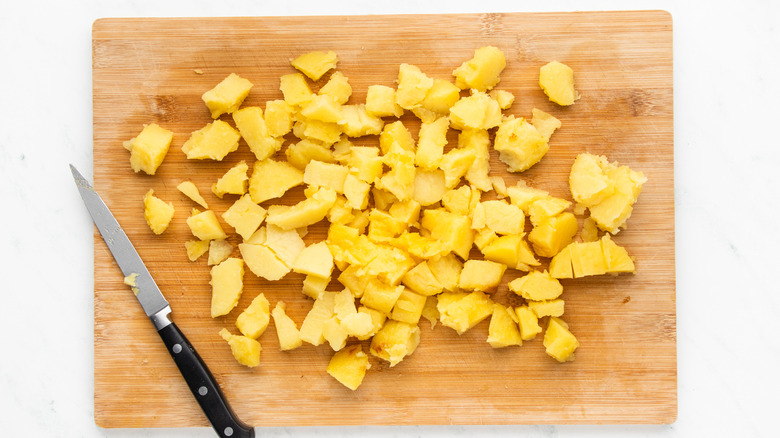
(144, 70)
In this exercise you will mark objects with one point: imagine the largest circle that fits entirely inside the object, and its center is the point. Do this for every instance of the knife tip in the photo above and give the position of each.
(81, 182)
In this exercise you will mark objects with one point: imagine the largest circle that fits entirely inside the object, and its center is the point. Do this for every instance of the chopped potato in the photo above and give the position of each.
(608, 190)
(271, 179)
(295, 89)
(557, 81)
(196, 248)
(226, 286)
(286, 330)
(233, 182)
(219, 251)
(559, 342)
(315, 64)
(191, 191)
(148, 149)
(254, 131)
(519, 143)
(158, 213)
(205, 225)
(212, 142)
(503, 330)
(349, 366)
(394, 341)
(482, 71)
(536, 286)
(227, 96)
(245, 216)
(415, 226)
(245, 349)
(413, 86)
(253, 321)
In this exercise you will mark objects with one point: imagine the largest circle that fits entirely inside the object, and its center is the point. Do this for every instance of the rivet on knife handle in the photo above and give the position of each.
(197, 375)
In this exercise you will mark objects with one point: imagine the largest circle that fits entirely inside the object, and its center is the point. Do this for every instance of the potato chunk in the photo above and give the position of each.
(226, 286)
(205, 226)
(591, 258)
(545, 123)
(233, 182)
(295, 89)
(313, 325)
(381, 296)
(529, 323)
(482, 71)
(559, 342)
(315, 259)
(547, 308)
(148, 149)
(196, 248)
(481, 275)
(286, 330)
(503, 330)
(245, 216)
(253, 321)
(212, 142)
(451, 228)
(327, 175)
(413, 86)
(430, 146)
(191, 191)
(349, 366)
(253, 129)
(219, 251)
(408, 307)
(380, 102)
(262, 261)
(519, 144)
(323, 108)
(245, 349)
(315, 64)
(357, 122)
(158, 213)
(477, 111)
(608, 190)
(557, 82)
(553, 234)
(441, 97)
(536, 286)
(227, 96)
(337, 87)
(309, 211)
(462, 311)
(271, 179)
(394, 341)
(511, 250)
(421, 280)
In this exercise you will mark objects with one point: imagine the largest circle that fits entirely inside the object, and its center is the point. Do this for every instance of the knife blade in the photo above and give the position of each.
(201, 382)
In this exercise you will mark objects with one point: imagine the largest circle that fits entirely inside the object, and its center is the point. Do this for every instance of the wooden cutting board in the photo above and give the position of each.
(155, 70)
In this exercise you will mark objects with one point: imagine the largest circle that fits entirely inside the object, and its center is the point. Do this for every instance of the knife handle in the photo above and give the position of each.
(203, 385)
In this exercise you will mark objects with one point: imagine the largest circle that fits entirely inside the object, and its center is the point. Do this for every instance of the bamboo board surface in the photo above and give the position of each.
(155, 70)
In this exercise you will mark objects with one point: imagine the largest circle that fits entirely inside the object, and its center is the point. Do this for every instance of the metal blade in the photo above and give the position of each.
(149, 295)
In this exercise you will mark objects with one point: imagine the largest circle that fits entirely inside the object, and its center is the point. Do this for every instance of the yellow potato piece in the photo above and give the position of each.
(158, 213)
(227, 96)
(148, 149)
(557, 82)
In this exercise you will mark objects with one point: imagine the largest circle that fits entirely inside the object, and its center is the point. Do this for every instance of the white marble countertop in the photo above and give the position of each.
(726, 70)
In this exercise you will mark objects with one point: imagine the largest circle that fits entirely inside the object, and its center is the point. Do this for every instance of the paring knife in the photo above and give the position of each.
(197, 375)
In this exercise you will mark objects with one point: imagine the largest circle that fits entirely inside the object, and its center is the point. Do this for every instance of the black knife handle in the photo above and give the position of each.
(203, 385)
